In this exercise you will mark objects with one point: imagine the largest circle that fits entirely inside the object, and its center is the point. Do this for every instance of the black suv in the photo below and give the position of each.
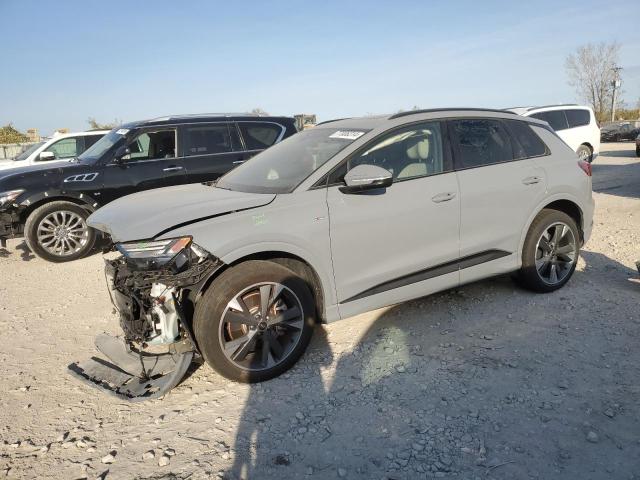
(48, 205)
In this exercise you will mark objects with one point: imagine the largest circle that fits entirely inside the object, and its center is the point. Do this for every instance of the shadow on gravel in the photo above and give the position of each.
(463, 383)
(26, 253)
(621, 180)
(631, 153)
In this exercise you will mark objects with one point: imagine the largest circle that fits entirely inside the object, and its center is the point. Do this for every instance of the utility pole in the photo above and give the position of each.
(616, 85)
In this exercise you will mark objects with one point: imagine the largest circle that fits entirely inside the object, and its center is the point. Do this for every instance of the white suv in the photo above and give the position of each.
(575, 124)
(62, 146)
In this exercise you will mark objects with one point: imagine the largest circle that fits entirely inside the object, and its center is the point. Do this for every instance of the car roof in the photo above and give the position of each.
(378, 121)
(201, 118)
(58, 136)
(547, 108)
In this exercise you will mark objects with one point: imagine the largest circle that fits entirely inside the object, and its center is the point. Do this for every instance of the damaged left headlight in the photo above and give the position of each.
(8, 197)
(154, 254)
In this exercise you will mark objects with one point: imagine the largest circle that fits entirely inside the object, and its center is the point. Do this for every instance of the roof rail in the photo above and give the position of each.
(431, 110)
(555, 105)
(334, 120)
(201, 115)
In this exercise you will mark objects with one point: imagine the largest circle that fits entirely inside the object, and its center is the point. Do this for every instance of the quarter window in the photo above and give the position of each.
(65, 148)
(409, 153)
(207, 139)
(578, 117)
(529, 144)
(555, 118)
(89, 140)
(258, 135)
(482, 142)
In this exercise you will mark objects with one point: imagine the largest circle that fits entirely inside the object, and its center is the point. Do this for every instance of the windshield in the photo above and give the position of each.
(102, 146)
(284, 166)
(24, 155)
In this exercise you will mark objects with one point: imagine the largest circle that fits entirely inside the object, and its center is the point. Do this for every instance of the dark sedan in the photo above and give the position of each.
(619, 132)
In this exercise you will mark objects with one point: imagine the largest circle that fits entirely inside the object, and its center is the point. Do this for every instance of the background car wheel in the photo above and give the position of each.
(585, 153)
(550, 252)
(58, 232)
(637, 151)
(254, 321)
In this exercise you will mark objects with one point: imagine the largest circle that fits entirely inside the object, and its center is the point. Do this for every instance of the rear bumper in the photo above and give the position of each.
(587, 220)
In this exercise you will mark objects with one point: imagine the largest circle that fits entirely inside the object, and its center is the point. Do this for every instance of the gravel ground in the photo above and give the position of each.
(485, 381)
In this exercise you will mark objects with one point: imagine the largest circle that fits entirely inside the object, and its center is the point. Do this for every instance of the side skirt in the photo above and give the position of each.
(431, 272)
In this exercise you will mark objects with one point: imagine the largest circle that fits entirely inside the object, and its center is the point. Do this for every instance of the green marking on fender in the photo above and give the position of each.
(259, 219)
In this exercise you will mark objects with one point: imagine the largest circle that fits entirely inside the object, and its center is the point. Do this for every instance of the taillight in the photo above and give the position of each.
(585, 166)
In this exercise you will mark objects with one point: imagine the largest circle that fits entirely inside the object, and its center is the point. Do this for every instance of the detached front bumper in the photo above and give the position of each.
(157, 346)
(10, 226)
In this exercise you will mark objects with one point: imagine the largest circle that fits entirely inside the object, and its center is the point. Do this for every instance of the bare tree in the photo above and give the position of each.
(591, 72)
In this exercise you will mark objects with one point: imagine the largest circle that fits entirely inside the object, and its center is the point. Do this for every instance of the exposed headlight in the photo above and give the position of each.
(10, 196)
(154, 253)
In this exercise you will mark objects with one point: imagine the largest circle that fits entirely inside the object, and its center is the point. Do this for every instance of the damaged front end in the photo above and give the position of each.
(152, 286)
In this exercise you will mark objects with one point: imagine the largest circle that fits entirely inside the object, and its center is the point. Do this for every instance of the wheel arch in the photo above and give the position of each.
(295, 263)
(588, 144)
(562, 204)
(35, 201)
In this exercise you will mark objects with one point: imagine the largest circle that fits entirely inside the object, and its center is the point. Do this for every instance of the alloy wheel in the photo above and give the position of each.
(62, 233)
(556, 253)
(261, 326)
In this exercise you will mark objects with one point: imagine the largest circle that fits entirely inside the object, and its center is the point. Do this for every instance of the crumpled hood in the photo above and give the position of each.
(144, 215)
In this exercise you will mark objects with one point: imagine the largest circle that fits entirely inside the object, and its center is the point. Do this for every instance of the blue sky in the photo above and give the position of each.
(63, 62)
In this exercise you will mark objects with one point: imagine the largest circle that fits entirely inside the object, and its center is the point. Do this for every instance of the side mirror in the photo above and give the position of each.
(121, 152)
(46, 156)
(366, 177)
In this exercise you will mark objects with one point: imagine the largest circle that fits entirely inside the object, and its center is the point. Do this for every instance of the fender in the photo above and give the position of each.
(87, 201)
(326, 278)
(538, 209)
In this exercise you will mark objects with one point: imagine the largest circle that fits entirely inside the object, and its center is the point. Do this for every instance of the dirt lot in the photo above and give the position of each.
(487, 381)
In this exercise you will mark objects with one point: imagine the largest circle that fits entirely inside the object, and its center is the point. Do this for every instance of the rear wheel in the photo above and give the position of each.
(58, 232)
(585, 153)
(255, 321)
(550, 252)
(637, 151)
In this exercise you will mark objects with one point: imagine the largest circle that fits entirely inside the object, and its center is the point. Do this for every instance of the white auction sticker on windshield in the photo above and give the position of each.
(122, 131)
(347, 134)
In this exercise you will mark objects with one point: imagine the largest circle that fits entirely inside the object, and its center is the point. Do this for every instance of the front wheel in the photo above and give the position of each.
(58, 232)
(550, 252)
(255, 321)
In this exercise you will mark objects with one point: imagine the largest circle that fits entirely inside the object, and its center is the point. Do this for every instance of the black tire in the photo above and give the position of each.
(34, 221)
(585, 153)
(209, 311)
(528, 275)
(637, 151)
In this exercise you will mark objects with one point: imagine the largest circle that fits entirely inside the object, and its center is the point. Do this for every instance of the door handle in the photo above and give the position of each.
(531, 180)
(443, 197)
(172, 169)
(238, 162)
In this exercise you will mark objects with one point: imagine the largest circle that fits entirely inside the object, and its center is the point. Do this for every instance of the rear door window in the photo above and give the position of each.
(207, 139)
(577, 117)
(260, 135)
(556, 119)
(529, 143)
(481, 142)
